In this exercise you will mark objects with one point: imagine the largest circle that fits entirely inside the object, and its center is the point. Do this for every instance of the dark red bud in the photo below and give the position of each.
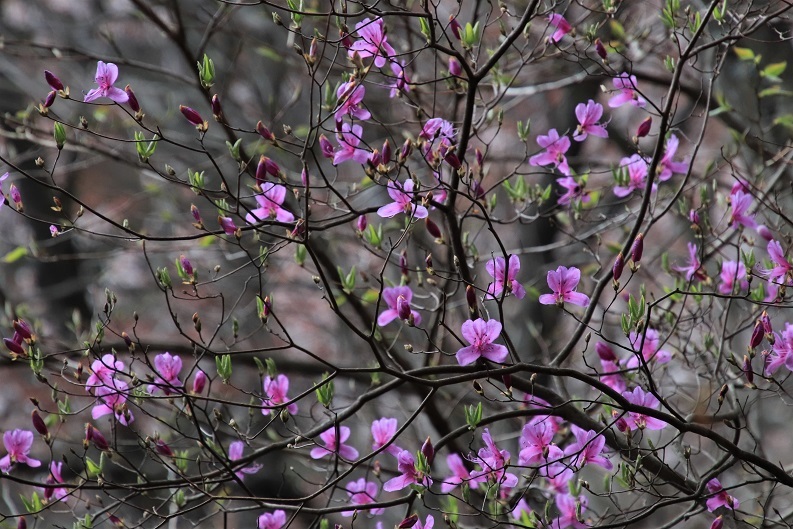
(452, 159)
(261, 170)
(480, 158)
(757, 335)
(433, 228)
(39, 424)
(644, 127)
(600, 49)
(386, 156)
(406, 151)
(195, 213)
(24, 330)
(95, 436)
(132, 101)
(428, 261)
(22, 523)
(455, 26)
(409, 522)
(766, 321)
(199, 381)
(637, 248)
(747, 369)
(127, 339)
(162, 448)
(271, 166)
(403, 263)
(187, 266)
(619, 265)
(718, 523)
(346, 39)
(53, 80)
(264, 132)
(605, 352)
(470, 297)
(49, 100)
(191, 115)
(428, 450)
(14, 347)
(507, 380)
(217, 110)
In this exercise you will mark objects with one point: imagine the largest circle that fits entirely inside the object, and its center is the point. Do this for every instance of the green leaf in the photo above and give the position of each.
(774, 70)
(744, 54)
(16, 254)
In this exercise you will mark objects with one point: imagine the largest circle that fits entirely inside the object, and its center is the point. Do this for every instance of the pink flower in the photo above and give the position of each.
(112, 399)
(103, 371)
(782, 351)
(59, 493)
(520, 509)
(587, 448)
(391, 297)
(626, 84)
(611, 376)
(270, 201)
(383, 433)
(349, 137)
(731, 272)
(720, 498)
(574, 191)
(106, 75)
(274, 520)
(481, 334)
(2, 198)
(493, 463)
(666, 167)
(552, 422)
(555, 147)
(227, 223)
(409, 474)
(373, 42)
(167, 367)
(650, 350)
(18, 444)
(693, 269)
(588, 116)
(428, 524)
(403, 197)
(782, 269)
(361, 493)
(334, 445)
(235, 453)
(199, 381)
(568, 511)
(537, 446)
(741, 202)
(401, 83)
(637, 420)
(459, 475)
(636, 168)
(504, 276)
(562, 27)
(563, 281)
(350, 96)
(276, 390)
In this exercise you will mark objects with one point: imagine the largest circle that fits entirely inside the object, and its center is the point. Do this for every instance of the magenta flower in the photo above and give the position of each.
(373, 42)
(637, 420)
(562, 26)
(481, 334)
(349, 137)
(493, 463)
(409, 474)
(538, 449)
(403, 197)
(459, 475)
(270, 201)
(274, 520)
(782, 351)
(59, 493)
(782, 269)
(103, 371)
(574, 191)
(587, 448)
(391, 296)
(667, 167)
(504, 277)
(626, 84)
(636, 167)
(235, 453)
(650, 352)
(106, 75)
(383, 433)
(428, 524)
(731, 272)
(2, 196)
(350, 96)
(555, 148)
(611, 375)
(401, 82)
(520, 509)
(112, 399)
(720, 497)
(18, 444)
(361, 493)
(551, 421)
(563, 281)
(588, 116)
(741, 202)
(276, 390)
(167, 367)
(227, 223)
(567, 506)
(693, 269)
(199, 381)
(335, 445)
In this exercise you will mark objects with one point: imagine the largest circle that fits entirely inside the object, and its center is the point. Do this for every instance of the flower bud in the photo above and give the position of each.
(261, 170)
(408, 522)
(39, 424)
(128, 341)
(637, 248)
(346, 39)
(53, 80)
(747, 369)
(600, 49)
(59, 133)
(272, 167)
(187, 266)
(480, 158)
(199, 381)
(95, 436)
(361, 223)
(24, 330)
(470, 298)
(507, 380)
(757, 335)
(452, 159)
(403, 308)
(717, 523)
(264, 132)
(455, 27)
(406, 151)
(22, 523)
(766, 321)
(325, 146)
(227, 223)
(14, 347)
(428, 450)
(693, 216)
(455, 68)
(428, 263)
(386, 153)
(217, 110)
(304, 177)
(374, 159)
(162, 448)
(433, 228)
(196, 216)
(49, 100)
(132, 101)
(644, 127)
(605, 352)
(765, 233)
(619, 265)
(403, 263)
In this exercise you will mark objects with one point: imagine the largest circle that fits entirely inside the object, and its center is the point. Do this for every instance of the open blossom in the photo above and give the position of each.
(335, 445)
(783, 267)
(637, 420)
(504, 277)
(383, 432)
(403, 201)
(781, 351)
(626, 84)
(650, 349)
(349, 137)
(274, 520)
(567, 506)
(553, 422)
(574, 191)
(2, 198)
(562, 26)
(391, 296)
(667, 166)
(493, 462)
(276, 391)
(361, 493)
(18, 444)
(481, 334)
(106, 75)
(235, 453)
(401, 82)
(732, 272)
(554, 153)
(439, 137)
(59, 493)
(103, 371)
(587, 448)
(563, 281)
(167, 367)
(588, 116)
(741, 202)
(408, 474)
(373, 42)
(693, 269)
(270, 201)
(636, 167)
(459, 475)
(720, 498)
(350, 96)
(112, 399)
(535, 438)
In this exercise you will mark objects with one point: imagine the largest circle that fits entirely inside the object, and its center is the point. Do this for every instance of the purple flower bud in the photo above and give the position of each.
(622, 424)
(452, 159)
(766, 321)
(187, 266)
(162, 448)
(264, 132)
(409, 522)
(470, 297)
(644, 127)
(312, 50)
(54, 231)
(22, 523)
(271, 166)
(325, 146)
(24, 330)
(132, 101)
(757, 335)
(477, 190)
(127, 340)
(49, 100)
(480, 158)
(346, 39)
(455, 26)
(693, 216)
(95, 436)
(428, 450)
(227, 223)
(304, 177)
(747, 369)
(637, 248)
(455, 68)
(600, 49)
(406, 151)
(403, 263)
(267, 307)
(217, 110)
(386, 151)
(361, 223)
(619, 265)
(433, 228)
(765, 233)
(261, 170)
(374, 158)
(605, 352)
(14, 347)
(196, 214)
(39, 424)
(717, 523)
(199, 381)
(16, 196)
(403, 308)
(507, 380)
(53, 80)
(191, 115)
